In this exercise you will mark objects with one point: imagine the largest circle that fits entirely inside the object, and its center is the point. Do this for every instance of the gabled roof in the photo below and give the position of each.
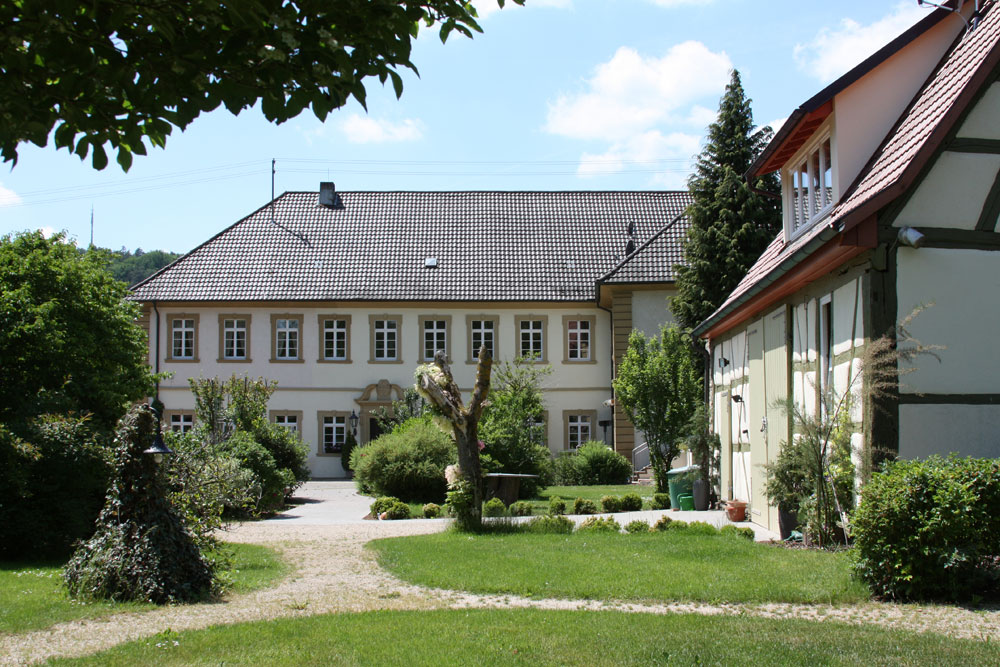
(895, 165)
(489, 246)
(654, 260)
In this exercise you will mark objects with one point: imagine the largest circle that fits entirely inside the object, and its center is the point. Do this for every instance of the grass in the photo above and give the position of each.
(645, 567)
(32, 596)
(536, 637)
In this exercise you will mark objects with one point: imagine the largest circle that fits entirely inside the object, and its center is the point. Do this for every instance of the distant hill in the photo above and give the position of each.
(131, 267)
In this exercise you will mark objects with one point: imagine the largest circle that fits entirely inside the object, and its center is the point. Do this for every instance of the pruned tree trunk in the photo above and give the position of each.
(436, 383)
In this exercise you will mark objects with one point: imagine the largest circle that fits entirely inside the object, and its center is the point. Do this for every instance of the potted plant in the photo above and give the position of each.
(787, 484)
(705, 449)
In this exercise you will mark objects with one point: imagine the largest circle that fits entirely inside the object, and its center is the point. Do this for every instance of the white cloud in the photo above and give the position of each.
(8, 197)
(631, 93)
(649, 150)
(47, 232)
(367, 130)
(777, 123)
(834, 51)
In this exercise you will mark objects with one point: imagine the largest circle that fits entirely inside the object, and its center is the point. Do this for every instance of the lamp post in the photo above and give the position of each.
(158, 449)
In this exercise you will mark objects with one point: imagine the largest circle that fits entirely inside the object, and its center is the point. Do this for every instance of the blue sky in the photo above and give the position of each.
(556, 95)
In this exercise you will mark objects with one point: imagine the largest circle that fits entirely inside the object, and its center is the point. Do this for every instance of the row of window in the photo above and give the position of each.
(333, 427)
(386, 330)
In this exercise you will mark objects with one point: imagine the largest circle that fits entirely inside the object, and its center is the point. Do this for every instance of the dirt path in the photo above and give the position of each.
(332, 572)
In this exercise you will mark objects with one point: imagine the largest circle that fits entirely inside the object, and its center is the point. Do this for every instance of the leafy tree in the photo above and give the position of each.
(131, 268)
(125, 73)
(68, 338)
(658, 384)
(731, 225)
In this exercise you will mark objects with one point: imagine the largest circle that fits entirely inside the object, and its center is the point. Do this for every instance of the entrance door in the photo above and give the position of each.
(374, 429)
(777, 390)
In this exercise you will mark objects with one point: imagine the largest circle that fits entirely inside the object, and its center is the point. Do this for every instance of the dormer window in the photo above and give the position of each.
(809, 188)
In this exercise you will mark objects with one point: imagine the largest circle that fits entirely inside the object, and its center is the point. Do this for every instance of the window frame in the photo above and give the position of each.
(591, 321)
(803, 157)
(422, 337)
(567, 414)
(168, 417)
(275, 318)
(321, 417)
(372, 319)
(544, 319)
(471, 351)
(273, 415)
(247, 318)
(825, 356)
(321, 321)
(171, 318)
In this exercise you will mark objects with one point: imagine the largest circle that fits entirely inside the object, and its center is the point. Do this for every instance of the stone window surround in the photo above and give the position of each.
(544, 319)
(472, 354)
(246, 317)
(447, 335)
(170, 339)
(575, 413)
(272, 414)
(298, 359)
(592, 319)
(319, 425)
(320, 320)
(398, 319)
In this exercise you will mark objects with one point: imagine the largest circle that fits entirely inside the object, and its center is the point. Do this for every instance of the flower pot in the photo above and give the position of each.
(788, 520)
(700, 492)
(736, 510)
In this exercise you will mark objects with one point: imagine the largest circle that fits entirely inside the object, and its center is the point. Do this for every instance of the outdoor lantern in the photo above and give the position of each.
(353, 419)
(158, 448)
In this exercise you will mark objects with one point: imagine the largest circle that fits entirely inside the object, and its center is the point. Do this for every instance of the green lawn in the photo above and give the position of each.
(595, 493)
(535, 637)
(650, 567)
(32, 595)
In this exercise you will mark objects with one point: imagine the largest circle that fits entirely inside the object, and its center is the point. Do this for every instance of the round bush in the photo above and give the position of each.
(637, 526)
(271, 479)
(494, 507)
(408, 463)
(381, 504)
(738, 531)
(557, 506)
(662, 524)
(661, 501)
(611, 504)
(397, 510)
(520, 508)
(584, 506)
(702, 528)
(631, 502)
(432, 511)
(929, 530)
(550, 524)
(596, 524)
(602, 465)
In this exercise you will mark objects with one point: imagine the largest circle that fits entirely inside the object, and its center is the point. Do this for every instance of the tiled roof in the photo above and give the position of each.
(490, 246)
(892, 167)
(654, 260)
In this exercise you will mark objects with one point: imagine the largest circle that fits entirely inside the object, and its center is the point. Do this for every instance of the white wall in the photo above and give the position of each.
(967, 430)
(952, 194)
(982, 120)
(309, 386)
(651, 310)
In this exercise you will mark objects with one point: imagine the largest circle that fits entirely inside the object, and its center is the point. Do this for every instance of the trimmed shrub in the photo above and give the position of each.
(637, 526)
(676, 526)
(631, 502)
(557, 506)
(287, 449)
(550, 524)
(661, 501)
(494, 507)
(520, 508)
(929, 530)
(662, 524)
(565, 471)
(593, 463)
(408, 463)
(611, 504)
(382, 504)
(738, 531)
(270, 481)
(432, 511)
(397, 510)
(584, 506)
(596, 524)
(702, 528)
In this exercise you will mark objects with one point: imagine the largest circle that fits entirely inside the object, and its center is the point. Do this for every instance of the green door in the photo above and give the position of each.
(755, 416)
(777, 376)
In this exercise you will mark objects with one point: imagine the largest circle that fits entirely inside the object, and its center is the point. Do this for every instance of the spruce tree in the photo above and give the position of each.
(731, 225)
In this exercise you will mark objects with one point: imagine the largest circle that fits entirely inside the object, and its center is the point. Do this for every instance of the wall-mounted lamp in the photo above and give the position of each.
(908, 236)
(353, 420)
(723, 362)
(736, 398)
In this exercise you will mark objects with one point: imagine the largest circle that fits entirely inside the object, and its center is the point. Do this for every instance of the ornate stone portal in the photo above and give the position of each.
(376, 396)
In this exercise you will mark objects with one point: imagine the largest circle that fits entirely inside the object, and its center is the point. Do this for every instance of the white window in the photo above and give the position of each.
(385, 340)
(286, 338)
(825, 321)
(291, 422)
(809, 187)
(181, 423)
(234, 339)
(578, 428)
(578, 340)
(335, 340)
(435, 338)
(334, 434)
(532, 338)
(483, 332)
(183, 338)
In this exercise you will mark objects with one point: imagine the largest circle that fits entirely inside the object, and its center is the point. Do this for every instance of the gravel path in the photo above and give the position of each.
(332, 572)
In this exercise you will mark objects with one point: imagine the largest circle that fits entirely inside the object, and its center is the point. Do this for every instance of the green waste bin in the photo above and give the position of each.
(679, 482)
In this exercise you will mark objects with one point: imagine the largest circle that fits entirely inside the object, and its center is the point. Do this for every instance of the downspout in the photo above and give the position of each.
(156, 354)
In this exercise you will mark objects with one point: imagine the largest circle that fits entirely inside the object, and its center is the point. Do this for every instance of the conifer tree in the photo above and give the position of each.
(731, 225)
